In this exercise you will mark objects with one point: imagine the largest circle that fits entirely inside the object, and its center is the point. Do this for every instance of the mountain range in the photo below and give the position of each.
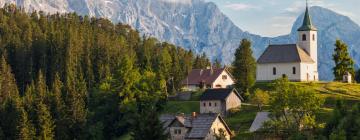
(202, 27)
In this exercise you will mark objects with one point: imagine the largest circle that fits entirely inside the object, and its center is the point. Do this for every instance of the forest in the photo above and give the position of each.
(65, 76)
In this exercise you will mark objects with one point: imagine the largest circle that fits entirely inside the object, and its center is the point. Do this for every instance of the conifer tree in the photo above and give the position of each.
(217, 63)
(8, 87)
(147, 124)
(343, 61)
(9, 101)
(26, 128)
(58, 109)
(244, 65)
(45, 122)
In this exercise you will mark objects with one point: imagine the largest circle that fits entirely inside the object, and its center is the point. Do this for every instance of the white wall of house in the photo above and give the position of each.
(210, 106)
(214, 130)
(264, 72)
(223, 81)
(232, 101)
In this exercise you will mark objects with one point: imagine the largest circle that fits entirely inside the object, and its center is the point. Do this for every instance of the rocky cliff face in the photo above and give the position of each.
(202, 27)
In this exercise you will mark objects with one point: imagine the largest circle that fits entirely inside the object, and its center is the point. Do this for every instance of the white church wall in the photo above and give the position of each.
(309, 72)
(264, 72)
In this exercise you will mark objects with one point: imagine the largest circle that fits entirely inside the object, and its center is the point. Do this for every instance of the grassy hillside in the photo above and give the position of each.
(240, 122)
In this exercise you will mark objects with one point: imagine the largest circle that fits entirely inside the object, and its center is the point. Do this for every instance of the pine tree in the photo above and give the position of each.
(146, 124)
(26, 128)
(244, 65)
(8, 87)
(45, 123)
(217, 63)
(58, 109)
(9, 101)
(343, 61)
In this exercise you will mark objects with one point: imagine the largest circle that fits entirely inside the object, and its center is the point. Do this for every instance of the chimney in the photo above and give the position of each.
(211, 70)
(193, 115)
(201, 71)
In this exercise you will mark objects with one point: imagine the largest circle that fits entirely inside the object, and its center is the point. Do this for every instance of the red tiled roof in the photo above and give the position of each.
(202, 75)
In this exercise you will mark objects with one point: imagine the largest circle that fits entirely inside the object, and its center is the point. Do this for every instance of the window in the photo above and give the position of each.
(215, 104)
(303, 37)
(204, 104)
(224, 77)
(209, 103)
(177, 131)
(274, 71)
(313, 37)
(294, 70)
(218, 86)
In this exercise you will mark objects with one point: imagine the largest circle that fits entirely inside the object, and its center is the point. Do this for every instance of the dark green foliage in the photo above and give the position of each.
(357, 76)
(217, 64)
(26, 129)
(71, 77)
(201, 62)
(146, 120)
(344, 124)
(244, 67)
(343, 61)
(293, 110)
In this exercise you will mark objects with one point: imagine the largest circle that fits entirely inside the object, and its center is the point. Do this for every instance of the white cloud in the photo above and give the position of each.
(240, 6)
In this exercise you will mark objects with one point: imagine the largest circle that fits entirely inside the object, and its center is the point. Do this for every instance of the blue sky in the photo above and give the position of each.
(275, 17)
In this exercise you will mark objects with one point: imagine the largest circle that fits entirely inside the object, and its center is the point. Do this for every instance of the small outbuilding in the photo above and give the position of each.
(347, 77)
(220, 101)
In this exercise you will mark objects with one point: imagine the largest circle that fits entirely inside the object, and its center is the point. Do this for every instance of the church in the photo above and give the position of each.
(297, 61)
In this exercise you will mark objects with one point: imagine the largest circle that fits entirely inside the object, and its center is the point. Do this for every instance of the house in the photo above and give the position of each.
(208, 78)
(195, 127)
(220, 101)
(298, 62)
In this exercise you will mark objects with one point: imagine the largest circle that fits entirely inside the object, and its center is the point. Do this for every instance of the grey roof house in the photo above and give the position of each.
(220, 101)
(195, 126)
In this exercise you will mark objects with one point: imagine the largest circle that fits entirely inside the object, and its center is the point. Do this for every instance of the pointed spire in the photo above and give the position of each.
(307, 24)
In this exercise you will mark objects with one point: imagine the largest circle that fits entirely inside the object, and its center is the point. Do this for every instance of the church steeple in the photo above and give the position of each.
(307, 24)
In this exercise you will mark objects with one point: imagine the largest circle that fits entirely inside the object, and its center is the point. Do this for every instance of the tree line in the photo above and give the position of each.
(64, 76)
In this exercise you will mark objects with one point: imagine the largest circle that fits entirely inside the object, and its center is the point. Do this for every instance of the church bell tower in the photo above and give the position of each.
(307, 36)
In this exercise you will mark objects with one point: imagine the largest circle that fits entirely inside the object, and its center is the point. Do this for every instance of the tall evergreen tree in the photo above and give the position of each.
(244, 66)
(217, 63)
(57, 109)
(8, 87)
(45, 123)
(9, 102)
(26, 128)
(343, 61)
(147, 124)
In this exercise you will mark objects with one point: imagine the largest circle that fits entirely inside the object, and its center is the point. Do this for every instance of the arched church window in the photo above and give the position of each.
(313, 37)
(303, 37)
(294, 70)
(274, 71)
